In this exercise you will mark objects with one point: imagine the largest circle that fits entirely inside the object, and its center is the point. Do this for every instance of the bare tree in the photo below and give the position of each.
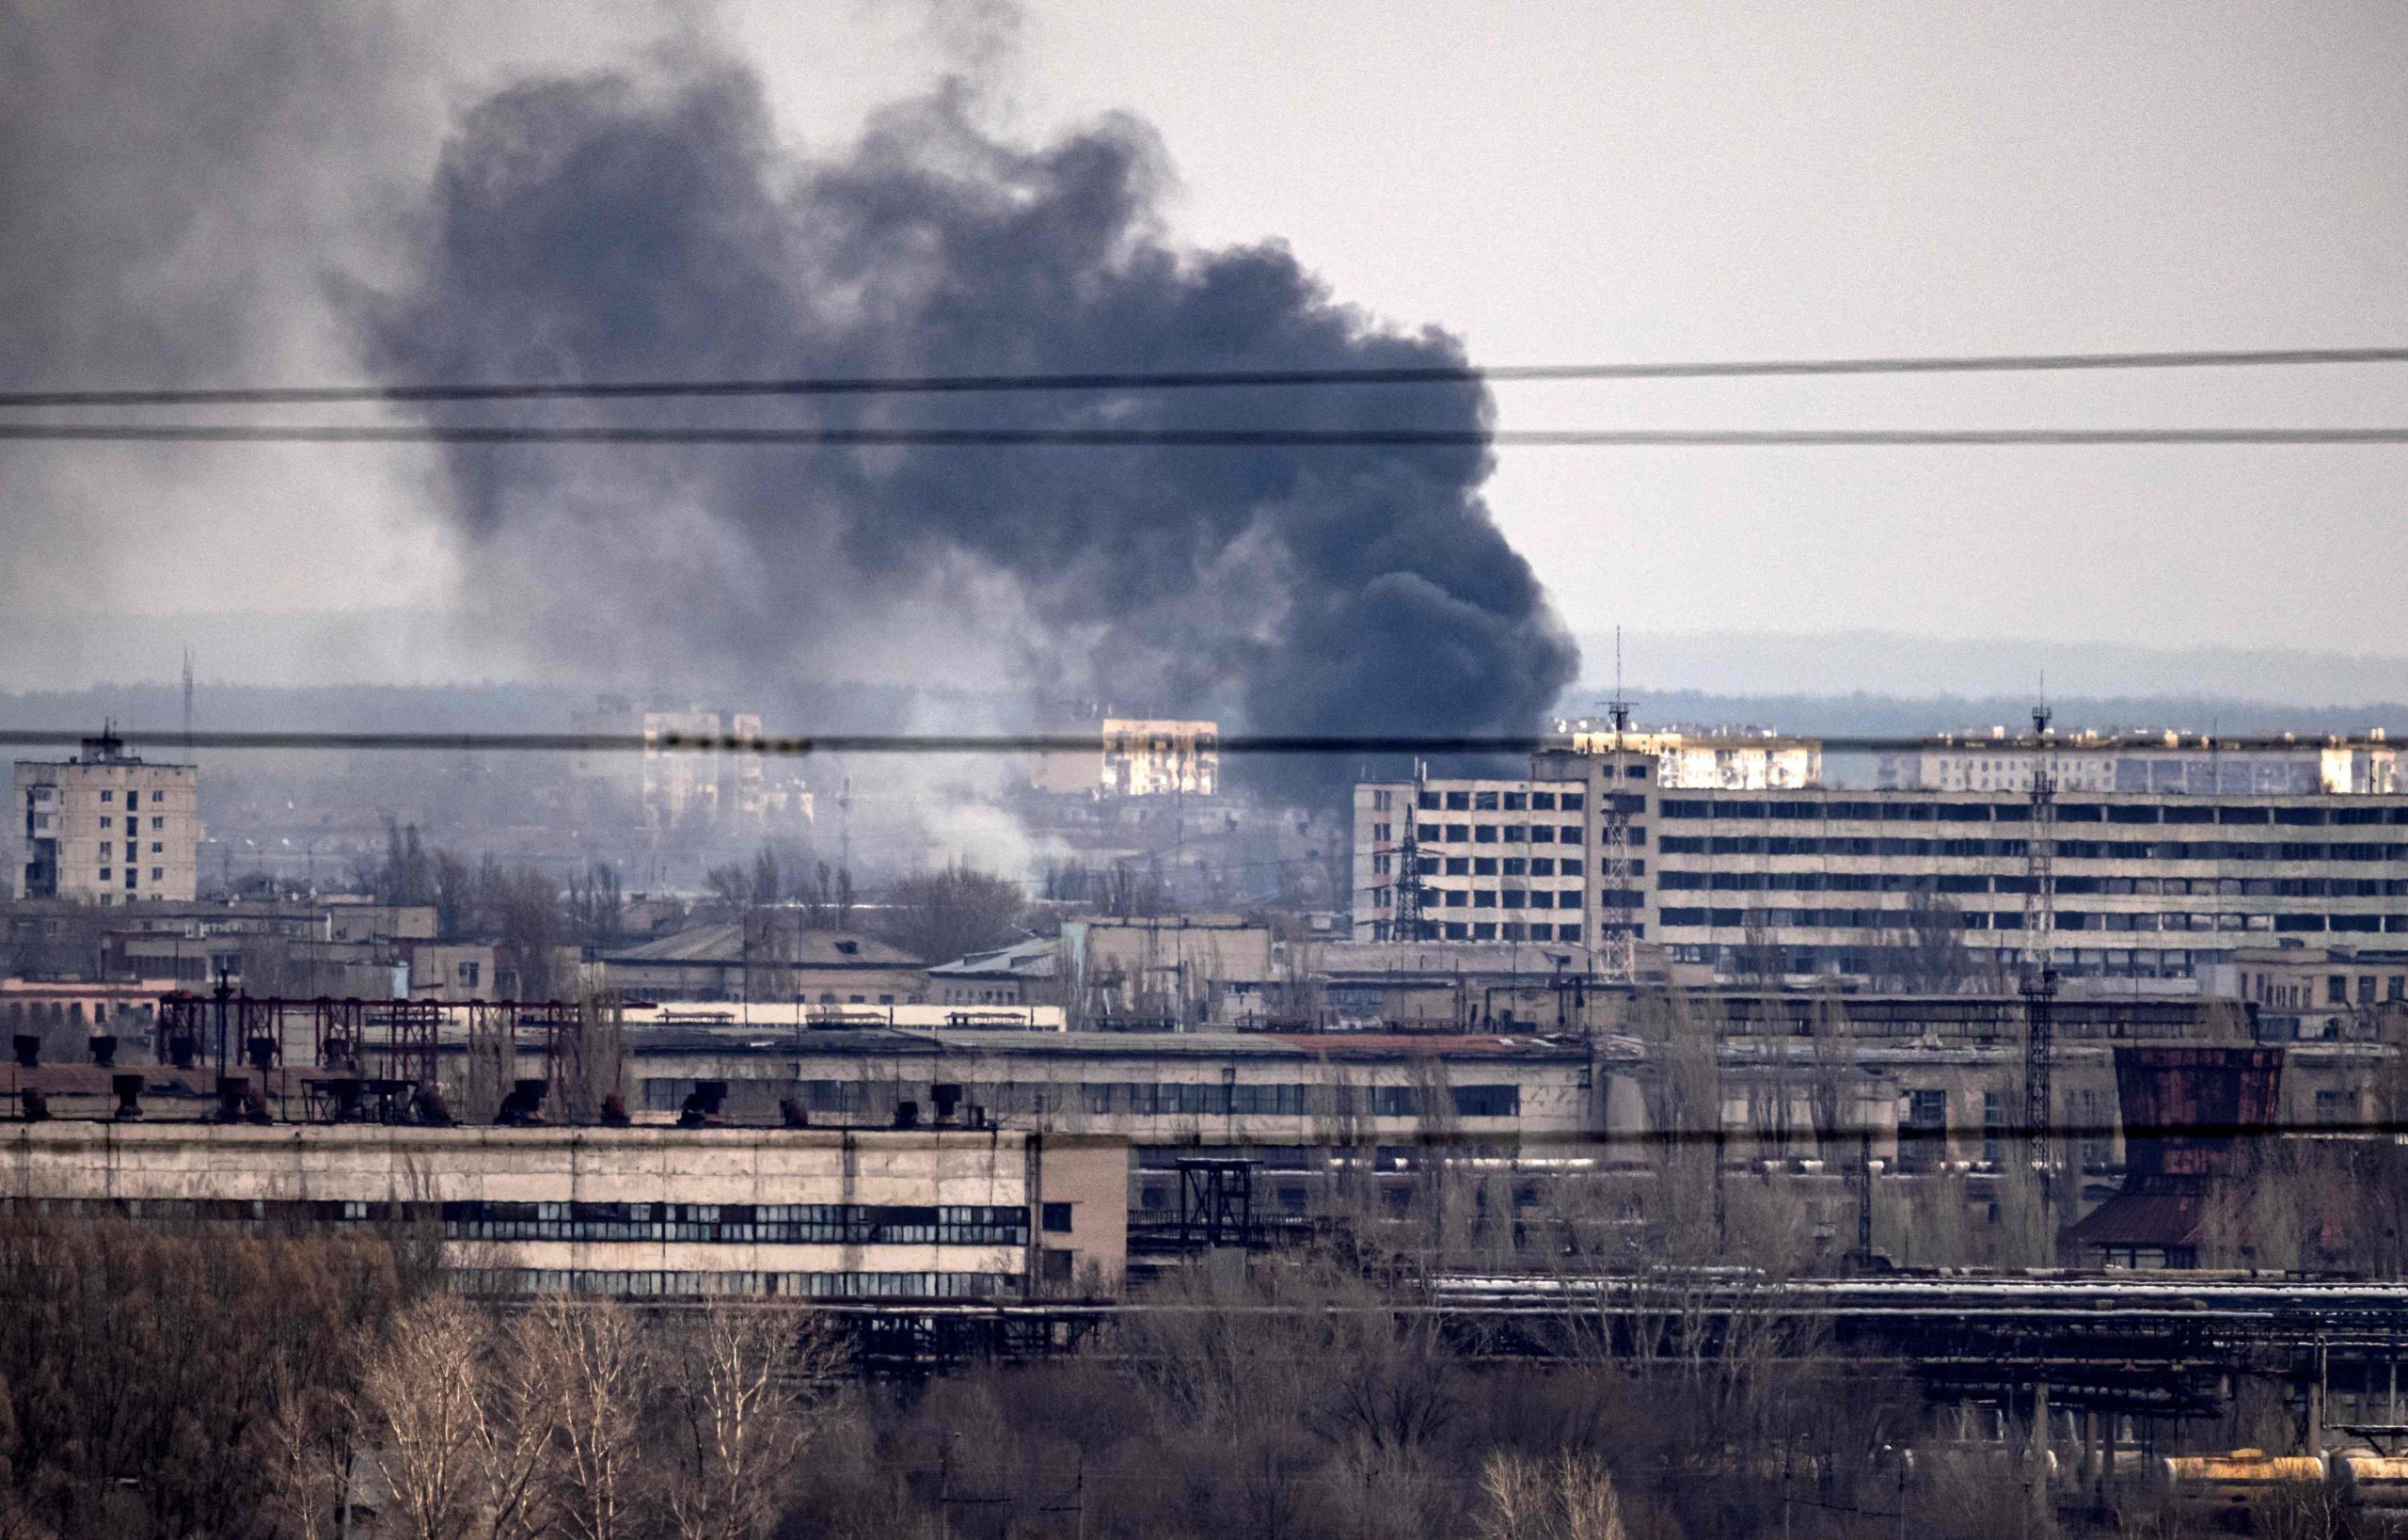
(1573, 1499)
(941, 915)
(451, 1409)
(743, 1399)
(588, 1375)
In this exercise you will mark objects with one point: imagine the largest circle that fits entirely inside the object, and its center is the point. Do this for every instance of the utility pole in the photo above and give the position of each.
(2039, 942)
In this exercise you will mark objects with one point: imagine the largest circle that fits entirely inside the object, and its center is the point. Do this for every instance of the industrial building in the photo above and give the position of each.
(2155, 885)
(106, 827)
(919, 1213)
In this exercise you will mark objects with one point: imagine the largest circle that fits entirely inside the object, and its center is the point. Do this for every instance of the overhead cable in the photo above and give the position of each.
(471, 434)
(1199, 378)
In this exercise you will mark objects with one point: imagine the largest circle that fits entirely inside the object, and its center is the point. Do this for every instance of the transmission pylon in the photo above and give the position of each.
(2039, 982)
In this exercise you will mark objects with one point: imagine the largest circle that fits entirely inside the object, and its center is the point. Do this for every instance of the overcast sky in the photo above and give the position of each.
(1645, 181)
(1606, 183)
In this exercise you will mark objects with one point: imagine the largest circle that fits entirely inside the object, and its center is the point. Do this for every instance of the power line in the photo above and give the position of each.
(1198, 379)
(944, 743)
(216, 433)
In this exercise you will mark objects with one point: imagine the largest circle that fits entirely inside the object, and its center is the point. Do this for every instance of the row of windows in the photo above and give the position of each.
(667, 1284)
(1494, 931)
(2068, 849)
(1508, 865)
(1502, 801)
(800, 1224)
(1869, 919)
(1106, 1098)
(1496, 833)
(2307, 816)
(1839, 845)
(765, 1224)
(2230, 887)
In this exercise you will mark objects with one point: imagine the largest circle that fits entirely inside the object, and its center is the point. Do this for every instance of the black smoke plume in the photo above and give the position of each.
(650, 225)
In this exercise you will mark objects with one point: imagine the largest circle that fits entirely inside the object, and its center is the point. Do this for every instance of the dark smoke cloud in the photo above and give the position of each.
(647, 225)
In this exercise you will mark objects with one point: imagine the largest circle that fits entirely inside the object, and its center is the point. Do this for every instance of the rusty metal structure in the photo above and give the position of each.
(2189, 1116)
(377, 1060)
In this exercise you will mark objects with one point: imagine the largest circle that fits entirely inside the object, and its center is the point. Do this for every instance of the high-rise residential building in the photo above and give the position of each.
(2148, 884)
(107, 827)
(1737, 759)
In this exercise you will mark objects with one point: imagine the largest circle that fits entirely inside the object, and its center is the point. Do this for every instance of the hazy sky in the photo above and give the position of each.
(1628, 183)
(1625, 182)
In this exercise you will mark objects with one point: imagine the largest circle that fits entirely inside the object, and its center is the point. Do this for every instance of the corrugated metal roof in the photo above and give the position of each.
(724, 943)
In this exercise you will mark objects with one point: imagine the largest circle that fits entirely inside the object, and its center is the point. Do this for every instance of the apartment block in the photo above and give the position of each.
(107, 827)
(2146, 885)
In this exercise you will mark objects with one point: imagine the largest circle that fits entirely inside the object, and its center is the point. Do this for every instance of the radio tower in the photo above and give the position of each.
(1406, 926)
(2039, 940)
(1618, 945)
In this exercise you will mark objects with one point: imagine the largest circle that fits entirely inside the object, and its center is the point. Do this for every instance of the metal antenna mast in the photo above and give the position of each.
(188, 752)
(1618, 948)
(2039, 942)
(1406, 926)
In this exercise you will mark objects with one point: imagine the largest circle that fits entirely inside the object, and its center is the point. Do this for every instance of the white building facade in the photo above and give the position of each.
(106, 827)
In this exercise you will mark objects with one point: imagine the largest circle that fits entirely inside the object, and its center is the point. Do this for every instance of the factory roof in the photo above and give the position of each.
(1032, 959)
(724, 943)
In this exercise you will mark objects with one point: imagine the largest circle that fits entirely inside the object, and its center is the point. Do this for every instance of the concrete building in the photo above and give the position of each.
(2317, 992)
(1018, 975)
(770, 956)
(2149, 885)
(1134, 756)
(1173, 970)
(1726, 759)
(106, 827)
(928, 1213)
(1149, 757)
(725, 791)
(2082, 764)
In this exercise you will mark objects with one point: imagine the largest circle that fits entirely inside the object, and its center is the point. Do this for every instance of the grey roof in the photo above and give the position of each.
(1341, 960)
(1032, 959)
(723, 944)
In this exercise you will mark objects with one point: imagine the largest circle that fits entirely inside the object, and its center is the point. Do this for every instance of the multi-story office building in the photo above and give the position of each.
(2153, 884)
(1969, 764)
(107, 827)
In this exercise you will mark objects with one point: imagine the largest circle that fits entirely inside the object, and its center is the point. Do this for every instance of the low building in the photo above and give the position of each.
(1172, 969)
(106, 827)
(1018, 975)
(927, 1213)
(2309, 993)
(768, 956)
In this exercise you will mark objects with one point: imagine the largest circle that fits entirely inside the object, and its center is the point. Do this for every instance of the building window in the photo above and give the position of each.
(1057, 1218)
(2336, 986)
(1488, 1100)
(158, 873)
(105, 874)
(109, 823)
(107, 797)
(1381, 832)
(158, 823)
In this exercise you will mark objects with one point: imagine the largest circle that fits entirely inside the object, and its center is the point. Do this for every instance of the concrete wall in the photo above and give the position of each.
(469, 1171)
